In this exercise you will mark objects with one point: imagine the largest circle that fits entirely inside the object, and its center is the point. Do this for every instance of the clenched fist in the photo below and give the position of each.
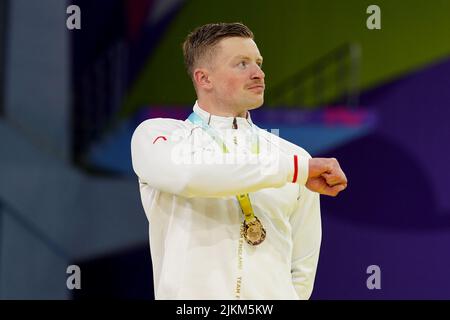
(326, 176)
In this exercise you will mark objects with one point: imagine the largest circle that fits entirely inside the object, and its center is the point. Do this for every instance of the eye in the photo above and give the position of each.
(243, 64)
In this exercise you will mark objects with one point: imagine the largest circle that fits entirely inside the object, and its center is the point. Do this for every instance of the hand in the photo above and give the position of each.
(326, 176)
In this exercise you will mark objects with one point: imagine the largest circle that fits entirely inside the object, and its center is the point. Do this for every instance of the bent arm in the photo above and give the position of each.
(166, 164)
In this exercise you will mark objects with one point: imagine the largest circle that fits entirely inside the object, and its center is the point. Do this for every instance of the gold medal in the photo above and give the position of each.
(253, 232)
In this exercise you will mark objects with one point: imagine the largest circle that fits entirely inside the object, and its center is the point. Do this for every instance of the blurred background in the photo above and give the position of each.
(377, 100)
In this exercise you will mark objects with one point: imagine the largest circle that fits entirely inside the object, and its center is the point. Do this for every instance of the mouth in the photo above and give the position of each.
(258, 87)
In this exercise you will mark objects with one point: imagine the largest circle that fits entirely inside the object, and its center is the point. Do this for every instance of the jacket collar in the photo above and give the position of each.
(222, 122)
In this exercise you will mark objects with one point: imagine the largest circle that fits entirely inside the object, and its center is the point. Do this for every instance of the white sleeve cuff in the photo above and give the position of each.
(302, 170)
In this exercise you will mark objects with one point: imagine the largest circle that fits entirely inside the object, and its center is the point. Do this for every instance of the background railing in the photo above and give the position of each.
(333, 77)
(99, 91)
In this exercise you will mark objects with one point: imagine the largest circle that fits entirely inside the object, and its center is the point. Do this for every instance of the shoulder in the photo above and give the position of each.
(161, 128)
(162, 125)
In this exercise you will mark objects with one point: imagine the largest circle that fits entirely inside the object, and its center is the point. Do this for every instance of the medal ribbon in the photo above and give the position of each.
(243, 199)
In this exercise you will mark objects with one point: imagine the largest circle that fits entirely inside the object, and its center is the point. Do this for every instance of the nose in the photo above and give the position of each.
(258, 73)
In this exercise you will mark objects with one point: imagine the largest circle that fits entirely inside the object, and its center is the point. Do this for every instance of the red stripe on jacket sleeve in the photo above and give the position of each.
(294, 180)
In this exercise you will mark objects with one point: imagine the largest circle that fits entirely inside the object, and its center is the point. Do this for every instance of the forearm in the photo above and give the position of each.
(220, 180)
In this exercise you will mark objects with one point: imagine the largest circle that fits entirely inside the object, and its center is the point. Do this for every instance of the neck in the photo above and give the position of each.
(221, 111)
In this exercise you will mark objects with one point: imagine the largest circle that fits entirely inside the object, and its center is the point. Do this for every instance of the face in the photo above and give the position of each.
(235, 75)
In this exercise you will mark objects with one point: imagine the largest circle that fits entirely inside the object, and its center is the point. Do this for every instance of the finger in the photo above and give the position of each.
(338, 188)
(330, 178)
(334, 179)
(343, 176)
(334, 190)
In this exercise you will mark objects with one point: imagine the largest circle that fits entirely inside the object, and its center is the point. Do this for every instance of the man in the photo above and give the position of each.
(229, 219)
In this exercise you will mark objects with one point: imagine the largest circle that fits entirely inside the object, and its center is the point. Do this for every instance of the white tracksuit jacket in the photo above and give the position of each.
(194, 217)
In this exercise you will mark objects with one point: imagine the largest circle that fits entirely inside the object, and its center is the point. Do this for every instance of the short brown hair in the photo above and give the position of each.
(201, 42)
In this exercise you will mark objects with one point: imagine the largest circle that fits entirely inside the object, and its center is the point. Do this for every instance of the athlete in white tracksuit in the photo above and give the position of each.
(194, 217)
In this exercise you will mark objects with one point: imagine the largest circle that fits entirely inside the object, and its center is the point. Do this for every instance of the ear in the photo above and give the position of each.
(201, 78)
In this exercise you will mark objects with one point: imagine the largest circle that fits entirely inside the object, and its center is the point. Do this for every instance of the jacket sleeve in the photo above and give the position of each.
(307, 237)
(162, 151)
